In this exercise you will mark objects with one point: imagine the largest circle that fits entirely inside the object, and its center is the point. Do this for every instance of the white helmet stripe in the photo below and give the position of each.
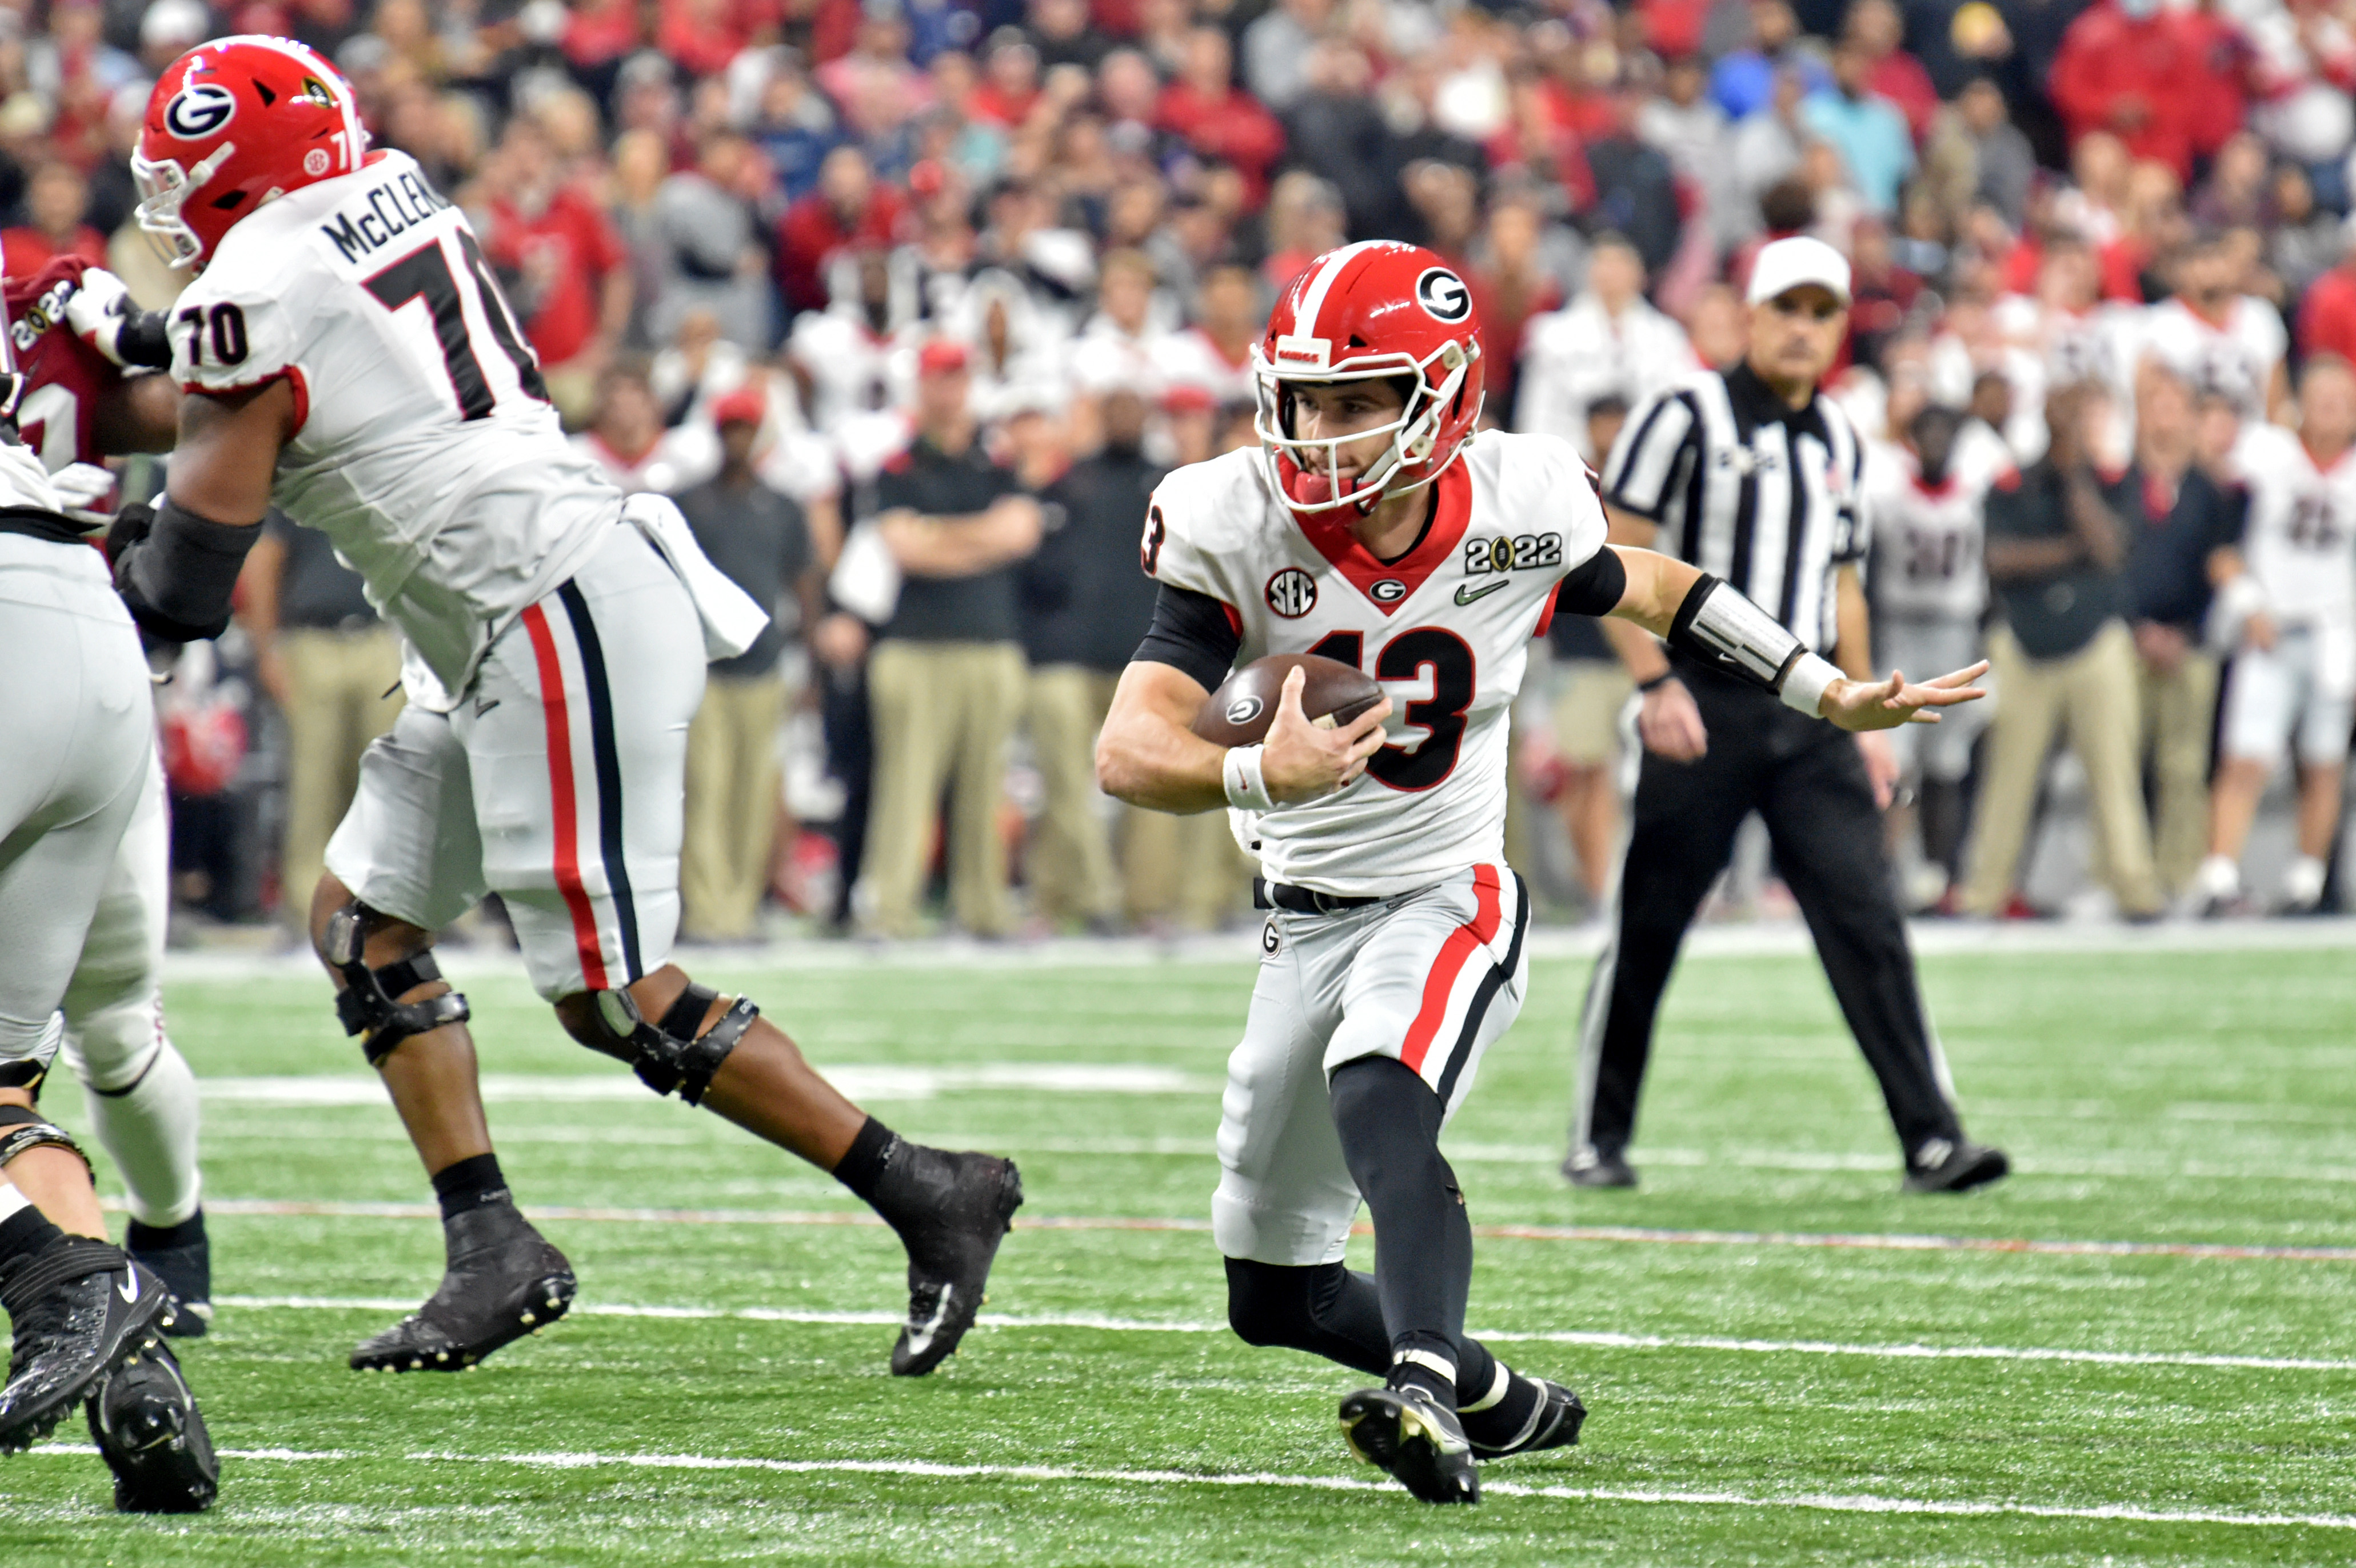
(1313, 298)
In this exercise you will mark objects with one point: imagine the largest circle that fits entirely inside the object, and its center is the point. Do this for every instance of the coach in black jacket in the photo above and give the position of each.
(1751, 475)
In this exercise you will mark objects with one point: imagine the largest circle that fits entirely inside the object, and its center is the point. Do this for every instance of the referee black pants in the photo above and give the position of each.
(1808, 784)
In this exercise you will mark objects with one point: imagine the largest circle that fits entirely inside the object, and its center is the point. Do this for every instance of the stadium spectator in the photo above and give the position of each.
(559, 260)
(1745, 81)
(333, 670)
(2215, 338)
(1868, 131)
(57, 198)
(762, 541)
(2065, 661)
(1204, 107)
(710, 258)
(849, 209)
(946, 679)
(1609, 343)
(2141, 70)
(2185, 535)
(1085, 608)
(1279, 51)
(2326, 318)
(1876, 30)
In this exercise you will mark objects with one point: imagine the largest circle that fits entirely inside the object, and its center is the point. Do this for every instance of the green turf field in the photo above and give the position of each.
(719, 1392)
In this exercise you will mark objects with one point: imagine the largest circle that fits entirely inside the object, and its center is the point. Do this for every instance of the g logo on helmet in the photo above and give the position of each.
(1442, 295)
(200, 109)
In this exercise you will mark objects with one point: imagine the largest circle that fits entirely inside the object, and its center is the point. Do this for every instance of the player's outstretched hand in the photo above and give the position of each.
(1303, 761)
(1887, 704)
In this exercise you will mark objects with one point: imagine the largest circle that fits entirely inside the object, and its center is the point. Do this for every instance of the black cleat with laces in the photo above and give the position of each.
(1414, 1437)
(182, 1258)
(1553, 1423)
(504, 1281)
(78, 1308)
(951, 1210)
(1942, 1165)
(149, 1431)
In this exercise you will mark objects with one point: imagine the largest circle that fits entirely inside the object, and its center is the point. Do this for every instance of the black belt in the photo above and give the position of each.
(42, 525)
(1303, 900)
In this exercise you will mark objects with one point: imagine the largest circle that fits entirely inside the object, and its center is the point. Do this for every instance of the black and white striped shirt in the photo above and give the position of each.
(1746, 487)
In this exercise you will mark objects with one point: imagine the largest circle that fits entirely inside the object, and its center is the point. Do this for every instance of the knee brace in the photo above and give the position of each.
(22, 1128)
(366, 1004)
(670, 1054)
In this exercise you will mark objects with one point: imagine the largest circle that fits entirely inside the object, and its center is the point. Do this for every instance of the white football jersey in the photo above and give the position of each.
(2236, 361)
(2300, 539)
(1445, 629)
(1928, 541)
(425, 447)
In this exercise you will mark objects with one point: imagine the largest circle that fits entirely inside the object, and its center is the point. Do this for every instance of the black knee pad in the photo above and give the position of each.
(23, 1129)
(671, 1054)
(366, 1004)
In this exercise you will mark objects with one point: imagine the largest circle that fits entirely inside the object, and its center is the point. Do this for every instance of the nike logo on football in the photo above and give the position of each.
(920, 1339)
(1467, 592)
(129, 1288)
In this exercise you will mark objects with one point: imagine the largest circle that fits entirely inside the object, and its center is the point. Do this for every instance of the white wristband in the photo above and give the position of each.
(1805, 683)
(1239, 772)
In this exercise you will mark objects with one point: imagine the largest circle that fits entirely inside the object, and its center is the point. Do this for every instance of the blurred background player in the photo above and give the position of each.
(2293, 681)
(1926, 496)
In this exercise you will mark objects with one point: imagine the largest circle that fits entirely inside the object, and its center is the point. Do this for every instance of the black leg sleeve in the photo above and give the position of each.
(1686, 816)
(1388, 1119)
(1324, 1309)
(1828, 844)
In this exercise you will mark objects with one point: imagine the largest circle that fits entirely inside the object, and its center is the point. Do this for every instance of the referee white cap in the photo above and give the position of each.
(1788, 264)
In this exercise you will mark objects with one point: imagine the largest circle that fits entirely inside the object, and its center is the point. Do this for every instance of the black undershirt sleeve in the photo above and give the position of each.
(1595, 586)
(1191, 632)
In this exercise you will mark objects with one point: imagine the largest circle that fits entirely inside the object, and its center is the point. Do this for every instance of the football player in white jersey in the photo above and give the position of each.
(344, 353)
(81, 728)
(1369, 528)
(2219, 339)
(2293, 685)
(1927, 496)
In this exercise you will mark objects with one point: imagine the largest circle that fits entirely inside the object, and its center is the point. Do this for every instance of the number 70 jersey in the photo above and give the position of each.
(424, 446)
(1445, 629)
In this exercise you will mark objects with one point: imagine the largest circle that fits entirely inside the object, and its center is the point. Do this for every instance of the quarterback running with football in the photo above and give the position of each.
(344, 353)
(1372, 528)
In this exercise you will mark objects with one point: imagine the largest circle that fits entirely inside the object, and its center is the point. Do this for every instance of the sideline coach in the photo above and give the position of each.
(1751, 475)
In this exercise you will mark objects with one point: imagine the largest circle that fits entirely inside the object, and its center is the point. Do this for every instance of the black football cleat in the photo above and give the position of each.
(182, 1258)
(1410, 1435)
(1599, 1168)
(951, 1210)
(504, 1281)
(1553, 1424)
(1953, 1166)
(78, 1308)
(149, 1431)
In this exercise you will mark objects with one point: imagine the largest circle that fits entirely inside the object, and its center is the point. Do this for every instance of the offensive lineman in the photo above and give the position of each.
(344, 352)
(1372, 529)
(2293, 685)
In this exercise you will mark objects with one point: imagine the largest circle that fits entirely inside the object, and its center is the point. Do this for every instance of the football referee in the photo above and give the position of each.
(1753, 475)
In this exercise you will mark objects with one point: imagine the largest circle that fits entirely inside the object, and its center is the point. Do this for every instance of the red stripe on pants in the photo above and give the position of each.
(565, 814)
(1480, 930)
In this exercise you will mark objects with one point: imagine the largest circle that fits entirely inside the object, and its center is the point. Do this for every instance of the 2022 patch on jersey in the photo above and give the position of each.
(1445, 628)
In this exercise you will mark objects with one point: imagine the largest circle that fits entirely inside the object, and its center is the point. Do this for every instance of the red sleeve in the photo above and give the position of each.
(602, 250)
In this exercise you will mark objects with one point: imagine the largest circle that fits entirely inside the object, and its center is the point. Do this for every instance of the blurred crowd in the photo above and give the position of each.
(825, 270)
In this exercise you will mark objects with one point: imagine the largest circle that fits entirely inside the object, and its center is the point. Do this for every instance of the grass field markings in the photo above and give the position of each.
(1899, 1242)
(929, 1469)
(1578, 1338)
(858, 1083)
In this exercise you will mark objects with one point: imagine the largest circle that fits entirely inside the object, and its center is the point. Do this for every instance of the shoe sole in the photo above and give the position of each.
(953, 1330)
(163, 1462)
(554, 1293)
(141, 1329)
(1391, 1434)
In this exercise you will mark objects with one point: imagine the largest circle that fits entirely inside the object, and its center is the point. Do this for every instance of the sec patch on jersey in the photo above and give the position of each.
(1239, 713)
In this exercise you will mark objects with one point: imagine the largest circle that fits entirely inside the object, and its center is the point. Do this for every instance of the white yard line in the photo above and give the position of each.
(922, 1469)
(1099, 1323)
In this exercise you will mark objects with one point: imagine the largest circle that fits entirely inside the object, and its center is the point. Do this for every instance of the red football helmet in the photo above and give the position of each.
(1375, 310)
(231, 124)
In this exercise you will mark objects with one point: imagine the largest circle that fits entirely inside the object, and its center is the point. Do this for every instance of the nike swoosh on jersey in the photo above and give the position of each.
(1467, 592)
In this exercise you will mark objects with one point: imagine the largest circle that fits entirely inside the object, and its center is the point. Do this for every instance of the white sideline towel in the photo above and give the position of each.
(866, 580)
(731, 621)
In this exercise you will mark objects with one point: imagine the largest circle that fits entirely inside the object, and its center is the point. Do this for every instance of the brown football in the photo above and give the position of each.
(1240, 711)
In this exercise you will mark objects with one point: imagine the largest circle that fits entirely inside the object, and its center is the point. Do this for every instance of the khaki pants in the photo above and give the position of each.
(1184, 870)
(731, 806)
(2179, 711)
(336, 705)
(943, 713)
(2091, 694)
(1071, 856)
